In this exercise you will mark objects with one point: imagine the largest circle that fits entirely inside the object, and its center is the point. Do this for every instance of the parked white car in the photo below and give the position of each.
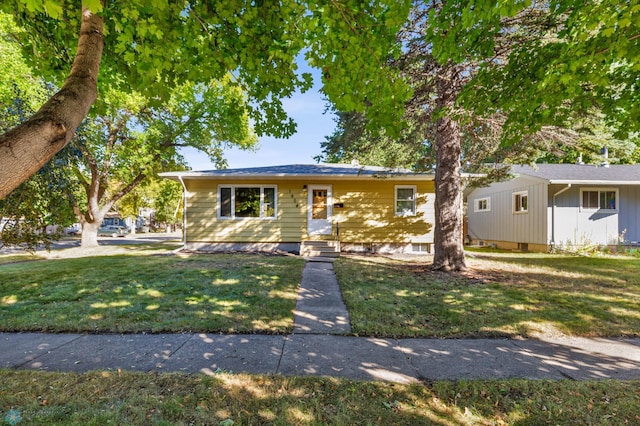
(112, 231)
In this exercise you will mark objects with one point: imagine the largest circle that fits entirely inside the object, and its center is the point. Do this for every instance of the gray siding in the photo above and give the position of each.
(501, 223)
(578, 226)
(630, 212)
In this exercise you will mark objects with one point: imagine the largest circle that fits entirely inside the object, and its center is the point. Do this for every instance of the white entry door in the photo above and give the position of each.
(319, 222)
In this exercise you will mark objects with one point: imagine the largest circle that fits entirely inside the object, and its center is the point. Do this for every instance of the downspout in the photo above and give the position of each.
(184, 213)
(553, 214)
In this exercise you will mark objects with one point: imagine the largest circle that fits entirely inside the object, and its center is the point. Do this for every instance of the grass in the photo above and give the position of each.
(15, 258)
(139, 292)
(42, 398)
(502, 295)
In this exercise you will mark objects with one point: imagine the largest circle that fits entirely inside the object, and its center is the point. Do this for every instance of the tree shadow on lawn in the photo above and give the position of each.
(140, 398)
(495, 297)
(228, 293)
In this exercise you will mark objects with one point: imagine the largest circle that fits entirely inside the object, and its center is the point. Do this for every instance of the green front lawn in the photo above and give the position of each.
(502, 295)
(151, 293)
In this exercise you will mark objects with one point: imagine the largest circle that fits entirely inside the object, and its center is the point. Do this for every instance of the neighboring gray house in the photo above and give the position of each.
(557, 204)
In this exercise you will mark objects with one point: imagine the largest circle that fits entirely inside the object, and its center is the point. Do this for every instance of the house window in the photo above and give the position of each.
(482, 205)
(600, 199)
(521, 202)
(240, 202)
(421, 248)
(406, 200)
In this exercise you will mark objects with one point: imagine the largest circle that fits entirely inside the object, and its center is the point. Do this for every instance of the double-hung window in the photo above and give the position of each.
(246, 201)
(482, 205)
(405, 203)
(521, 202)
(599, 199)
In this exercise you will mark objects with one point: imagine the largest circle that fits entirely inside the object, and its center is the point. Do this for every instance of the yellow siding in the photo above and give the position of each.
(368, 215)
(203, 224)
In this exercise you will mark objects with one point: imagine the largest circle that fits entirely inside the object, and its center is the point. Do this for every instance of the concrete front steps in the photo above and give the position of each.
(325, 249)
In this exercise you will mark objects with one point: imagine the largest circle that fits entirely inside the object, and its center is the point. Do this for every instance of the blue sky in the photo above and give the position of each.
(307, 109)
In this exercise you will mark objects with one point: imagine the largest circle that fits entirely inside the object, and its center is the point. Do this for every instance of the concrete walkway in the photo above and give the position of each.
(317, 348)
(320, 309)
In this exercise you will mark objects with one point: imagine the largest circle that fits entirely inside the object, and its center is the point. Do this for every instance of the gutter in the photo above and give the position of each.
(553, 214)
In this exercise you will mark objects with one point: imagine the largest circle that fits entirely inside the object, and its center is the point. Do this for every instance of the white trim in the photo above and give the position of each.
(599, 209)
(476, 205)
(395, 201)
(514, 195)
(233, 202)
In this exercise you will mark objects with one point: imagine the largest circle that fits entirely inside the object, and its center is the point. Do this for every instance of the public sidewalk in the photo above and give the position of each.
(318, 347)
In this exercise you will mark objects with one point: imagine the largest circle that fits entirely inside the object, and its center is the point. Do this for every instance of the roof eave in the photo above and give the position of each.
(285, 176)
(593, 182)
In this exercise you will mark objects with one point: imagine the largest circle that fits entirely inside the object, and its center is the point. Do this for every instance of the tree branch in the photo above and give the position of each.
(121, 193)
(27, 147)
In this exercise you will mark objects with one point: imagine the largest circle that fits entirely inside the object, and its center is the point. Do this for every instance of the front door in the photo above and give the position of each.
(319, 210)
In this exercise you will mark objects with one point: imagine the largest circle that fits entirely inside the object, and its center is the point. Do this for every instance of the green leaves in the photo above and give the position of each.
(16, 77)
(53, 8)
(352, 46)
(154, 45)
(576, 55)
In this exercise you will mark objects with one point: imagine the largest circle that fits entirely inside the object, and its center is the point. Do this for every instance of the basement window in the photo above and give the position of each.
(421, 248)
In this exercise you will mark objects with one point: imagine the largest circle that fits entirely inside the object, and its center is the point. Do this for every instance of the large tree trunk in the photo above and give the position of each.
(93, 217)
(27, 147)
(449, 248)
(90, 234)
(97, 205)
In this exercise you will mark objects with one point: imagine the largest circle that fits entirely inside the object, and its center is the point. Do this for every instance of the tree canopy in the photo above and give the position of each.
(151, 46)
(589, 57)
(458, 59)
(132, 139)
(47, 197)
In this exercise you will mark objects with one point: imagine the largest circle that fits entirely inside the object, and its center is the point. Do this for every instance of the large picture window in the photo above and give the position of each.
(599, 199)
(406, 200)
(521, 202)
(240, 202)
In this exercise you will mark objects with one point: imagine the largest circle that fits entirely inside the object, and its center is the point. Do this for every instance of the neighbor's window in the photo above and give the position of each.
(247, 202)
(482, 205)
(521, 202)
(405, 200)
(600, 199)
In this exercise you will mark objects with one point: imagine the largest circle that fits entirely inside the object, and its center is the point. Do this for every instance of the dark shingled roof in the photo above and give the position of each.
(316, 170)
(582, 173)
